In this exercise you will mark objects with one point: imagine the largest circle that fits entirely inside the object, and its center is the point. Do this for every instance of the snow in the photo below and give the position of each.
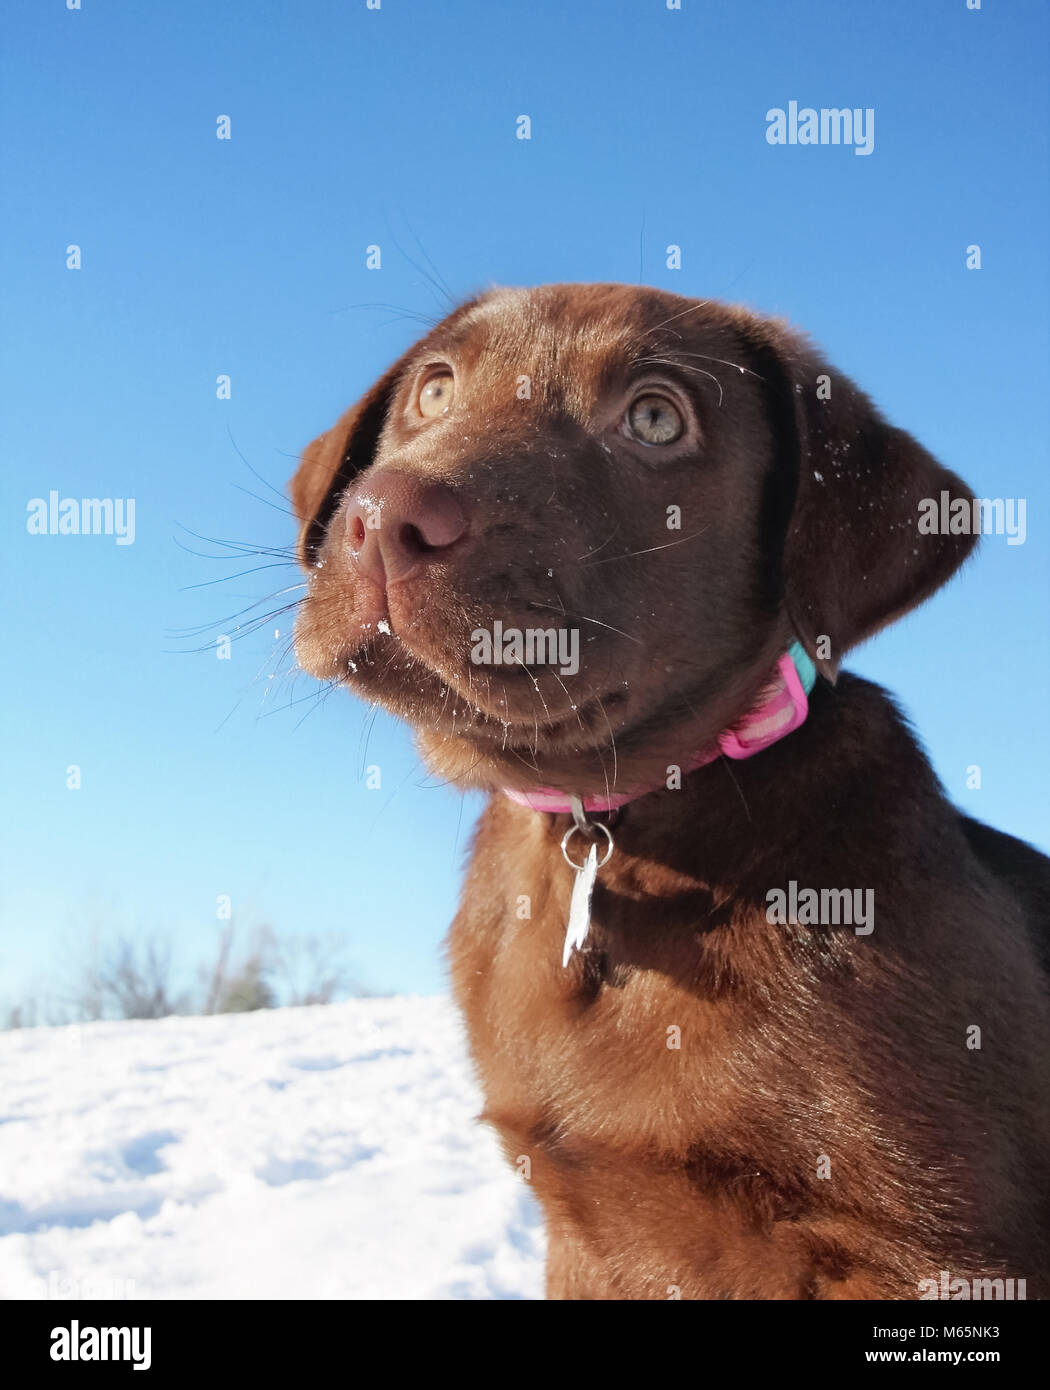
(327, 1152)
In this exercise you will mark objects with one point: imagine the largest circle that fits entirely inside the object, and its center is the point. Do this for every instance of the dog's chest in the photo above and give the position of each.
(617, 1047)
(610, 1085)
(653, 1096)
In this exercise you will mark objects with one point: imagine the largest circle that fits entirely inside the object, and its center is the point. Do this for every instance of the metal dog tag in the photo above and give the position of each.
(586, 873)
(580, 906)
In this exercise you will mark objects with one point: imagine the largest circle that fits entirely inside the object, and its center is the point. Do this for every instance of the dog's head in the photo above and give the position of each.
(567, 535)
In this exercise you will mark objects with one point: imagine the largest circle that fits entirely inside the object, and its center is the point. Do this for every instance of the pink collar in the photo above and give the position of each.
(782, 707)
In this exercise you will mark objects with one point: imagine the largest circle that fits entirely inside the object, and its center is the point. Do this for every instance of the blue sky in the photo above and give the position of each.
(352, 127)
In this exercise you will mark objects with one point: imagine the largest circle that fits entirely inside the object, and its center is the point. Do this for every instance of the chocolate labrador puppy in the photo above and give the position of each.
(756, 1011)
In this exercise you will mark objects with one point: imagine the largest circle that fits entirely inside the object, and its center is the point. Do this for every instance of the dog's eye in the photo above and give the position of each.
(654, 420)
(436, 395)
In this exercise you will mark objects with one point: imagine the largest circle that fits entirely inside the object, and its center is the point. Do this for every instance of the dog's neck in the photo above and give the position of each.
(780, 709)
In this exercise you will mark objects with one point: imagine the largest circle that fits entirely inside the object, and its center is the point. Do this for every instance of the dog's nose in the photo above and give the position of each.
(397, 523)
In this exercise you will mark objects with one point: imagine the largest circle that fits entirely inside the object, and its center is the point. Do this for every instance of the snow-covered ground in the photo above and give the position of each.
(326, 1152)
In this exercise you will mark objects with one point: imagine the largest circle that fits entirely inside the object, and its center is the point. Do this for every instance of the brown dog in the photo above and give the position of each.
(710, 1098)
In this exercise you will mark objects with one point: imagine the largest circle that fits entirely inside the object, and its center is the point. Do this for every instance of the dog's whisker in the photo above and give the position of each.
(239, 630)
(248, 552)
(651, 550)
(256, 474)
(721, 361)
(227, 578)
(244, 547)
(612, 744)
(604, 543)
(685, 367)
(690, 309)
(583, 618)
(535, 685)
(411, 315)
(265, 501)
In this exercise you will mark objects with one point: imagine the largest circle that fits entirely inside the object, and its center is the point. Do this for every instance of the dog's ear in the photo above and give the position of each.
(329, 463)
(860, 547)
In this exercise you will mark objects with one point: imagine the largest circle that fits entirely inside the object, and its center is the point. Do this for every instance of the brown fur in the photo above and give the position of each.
(697, 1169)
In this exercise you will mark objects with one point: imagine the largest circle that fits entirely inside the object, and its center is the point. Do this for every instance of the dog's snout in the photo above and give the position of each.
(397, 523)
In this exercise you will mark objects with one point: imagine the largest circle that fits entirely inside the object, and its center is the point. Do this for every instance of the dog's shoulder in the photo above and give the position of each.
(1021, 870)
